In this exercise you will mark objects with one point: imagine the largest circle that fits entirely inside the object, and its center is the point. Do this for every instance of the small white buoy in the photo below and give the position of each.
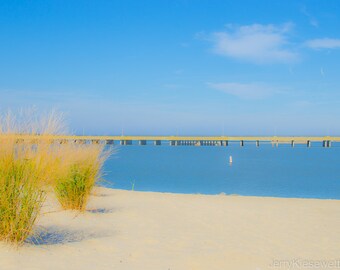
(230, 159)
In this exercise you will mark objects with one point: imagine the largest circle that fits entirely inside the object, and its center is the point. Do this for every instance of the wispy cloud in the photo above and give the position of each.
(300, 105)
(323, 43)
(245, 90)
(256, 43)
(322, 72)
(312, 20)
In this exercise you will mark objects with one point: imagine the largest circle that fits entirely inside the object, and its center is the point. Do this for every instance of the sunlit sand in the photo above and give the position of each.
(146, 230)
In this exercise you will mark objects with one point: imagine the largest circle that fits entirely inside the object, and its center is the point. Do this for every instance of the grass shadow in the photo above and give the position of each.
(100, 211)
(54, 235)
(96, 194)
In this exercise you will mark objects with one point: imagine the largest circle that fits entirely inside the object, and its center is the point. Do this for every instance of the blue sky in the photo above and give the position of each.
(175, 67)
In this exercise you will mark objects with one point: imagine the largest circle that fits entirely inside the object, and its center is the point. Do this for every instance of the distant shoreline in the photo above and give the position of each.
(217, 194)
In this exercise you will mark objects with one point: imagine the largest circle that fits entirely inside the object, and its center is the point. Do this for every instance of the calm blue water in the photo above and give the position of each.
(265, 171)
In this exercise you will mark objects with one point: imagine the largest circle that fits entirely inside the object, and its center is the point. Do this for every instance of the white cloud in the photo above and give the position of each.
(245, 90)
(255, 43)
(323, 43)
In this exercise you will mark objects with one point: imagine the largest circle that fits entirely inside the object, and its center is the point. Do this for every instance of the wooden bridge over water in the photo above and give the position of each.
(326, 141)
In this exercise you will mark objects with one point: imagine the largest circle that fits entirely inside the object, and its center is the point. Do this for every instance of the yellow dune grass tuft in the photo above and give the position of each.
(30, 168)
(80, 168)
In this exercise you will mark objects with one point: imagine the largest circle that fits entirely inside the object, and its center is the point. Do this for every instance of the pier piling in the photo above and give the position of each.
(157, 142)
(125, 142)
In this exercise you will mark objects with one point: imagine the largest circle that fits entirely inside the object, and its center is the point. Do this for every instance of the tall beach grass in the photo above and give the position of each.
(21, 193)
(31, 168)
(80, 168)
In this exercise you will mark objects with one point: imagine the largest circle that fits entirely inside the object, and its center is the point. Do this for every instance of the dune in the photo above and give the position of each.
(148, 230)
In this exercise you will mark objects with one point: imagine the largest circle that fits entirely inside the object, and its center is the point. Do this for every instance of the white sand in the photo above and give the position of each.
(141, 230)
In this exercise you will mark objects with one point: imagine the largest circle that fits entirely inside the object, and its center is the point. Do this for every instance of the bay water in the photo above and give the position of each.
(282, 171)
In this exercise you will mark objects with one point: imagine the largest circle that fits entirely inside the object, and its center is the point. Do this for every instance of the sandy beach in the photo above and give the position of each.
(146, 230)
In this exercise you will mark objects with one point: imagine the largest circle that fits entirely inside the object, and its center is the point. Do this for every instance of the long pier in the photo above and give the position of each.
(180, 140)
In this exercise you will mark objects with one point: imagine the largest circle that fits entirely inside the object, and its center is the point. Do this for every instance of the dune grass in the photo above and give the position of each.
(79, 171)
(21, 193)
(25, 167)
(31, 168)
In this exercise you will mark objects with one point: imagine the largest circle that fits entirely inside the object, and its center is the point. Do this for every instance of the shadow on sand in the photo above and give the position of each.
(57, 235)
(100, 211)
